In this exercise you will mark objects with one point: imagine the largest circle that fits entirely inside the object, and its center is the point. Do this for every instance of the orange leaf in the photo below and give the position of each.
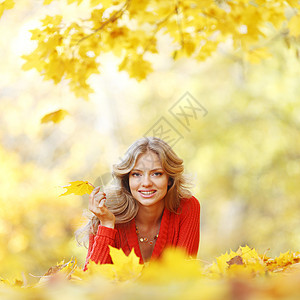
(236, 260)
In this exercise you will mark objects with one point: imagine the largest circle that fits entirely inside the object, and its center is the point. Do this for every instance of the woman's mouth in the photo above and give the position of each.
(147, 193)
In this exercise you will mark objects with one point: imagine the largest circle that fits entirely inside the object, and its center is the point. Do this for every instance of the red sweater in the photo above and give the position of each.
(179, 230)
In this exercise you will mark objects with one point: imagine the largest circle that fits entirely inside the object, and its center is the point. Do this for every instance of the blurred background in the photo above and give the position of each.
(243, 154)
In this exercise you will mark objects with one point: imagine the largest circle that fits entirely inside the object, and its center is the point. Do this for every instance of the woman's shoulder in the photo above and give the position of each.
(189, 205)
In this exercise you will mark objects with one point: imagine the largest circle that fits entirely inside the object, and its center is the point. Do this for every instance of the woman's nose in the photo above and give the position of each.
(146, 181)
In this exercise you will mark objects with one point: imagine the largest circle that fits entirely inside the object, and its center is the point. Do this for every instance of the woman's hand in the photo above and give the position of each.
(97, 206)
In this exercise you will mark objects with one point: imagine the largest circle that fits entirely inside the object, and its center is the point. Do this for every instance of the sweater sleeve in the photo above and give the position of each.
(98, 250)
(189, 232)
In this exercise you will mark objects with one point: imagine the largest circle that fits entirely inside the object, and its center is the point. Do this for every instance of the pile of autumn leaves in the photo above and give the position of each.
(240, 275)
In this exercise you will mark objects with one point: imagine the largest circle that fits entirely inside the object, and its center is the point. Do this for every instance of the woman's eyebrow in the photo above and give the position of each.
(156, 169)
(136, 170)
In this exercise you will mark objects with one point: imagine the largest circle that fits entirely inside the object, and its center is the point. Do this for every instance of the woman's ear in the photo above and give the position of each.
(170, 182)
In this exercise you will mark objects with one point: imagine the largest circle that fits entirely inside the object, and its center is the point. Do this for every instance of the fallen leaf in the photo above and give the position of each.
(237, 260)
(55, 117)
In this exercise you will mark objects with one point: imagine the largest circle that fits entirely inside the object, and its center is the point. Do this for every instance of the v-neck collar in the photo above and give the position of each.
(161, 241)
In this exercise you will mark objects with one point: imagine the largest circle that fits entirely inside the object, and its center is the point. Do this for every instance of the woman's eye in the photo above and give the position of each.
(157, 174)
(135, 174)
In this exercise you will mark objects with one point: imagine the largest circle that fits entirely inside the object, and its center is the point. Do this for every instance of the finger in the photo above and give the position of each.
(102, 203)
(98, 197)
(95, 190)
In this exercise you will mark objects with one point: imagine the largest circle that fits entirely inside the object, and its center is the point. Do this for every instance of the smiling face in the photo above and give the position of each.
(148, 181)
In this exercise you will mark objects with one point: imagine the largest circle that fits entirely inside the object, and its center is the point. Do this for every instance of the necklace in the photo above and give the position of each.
(145, 239)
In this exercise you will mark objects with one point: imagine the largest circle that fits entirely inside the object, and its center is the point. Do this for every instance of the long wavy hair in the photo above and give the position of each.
(119, 199)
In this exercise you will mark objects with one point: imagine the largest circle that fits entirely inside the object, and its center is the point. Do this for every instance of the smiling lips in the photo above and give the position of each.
(147, 193)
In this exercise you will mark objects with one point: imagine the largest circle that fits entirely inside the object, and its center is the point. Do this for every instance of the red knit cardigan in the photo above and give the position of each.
(178, 230)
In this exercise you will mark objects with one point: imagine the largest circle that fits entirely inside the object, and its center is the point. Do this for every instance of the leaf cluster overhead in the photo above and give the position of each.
(6, 4)
(130, 30)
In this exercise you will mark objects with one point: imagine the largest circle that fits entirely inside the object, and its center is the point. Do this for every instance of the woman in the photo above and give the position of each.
(149, 210)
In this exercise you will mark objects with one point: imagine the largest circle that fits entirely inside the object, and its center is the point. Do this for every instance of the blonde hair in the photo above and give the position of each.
(119, 199)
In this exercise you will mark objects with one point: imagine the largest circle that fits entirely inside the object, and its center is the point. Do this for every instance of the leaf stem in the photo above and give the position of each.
(90, 184)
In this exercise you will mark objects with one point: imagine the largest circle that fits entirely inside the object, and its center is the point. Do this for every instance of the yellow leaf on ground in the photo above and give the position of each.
(174, 266)
(78, 188)
(123, 268)
(55, 116)
(62, 271)
(126, 267)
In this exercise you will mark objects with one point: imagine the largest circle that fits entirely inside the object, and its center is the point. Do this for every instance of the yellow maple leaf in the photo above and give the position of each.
(126, 267)
(8, 4)
(81, 91)
(245, 261)
(123, 268)
(287, 258)
(78, 188)
(62, 271)
(33, 61)
(222, 261)
(55, 116)
(252, 261)
(206, 50)
(136, 67)
(95, 270)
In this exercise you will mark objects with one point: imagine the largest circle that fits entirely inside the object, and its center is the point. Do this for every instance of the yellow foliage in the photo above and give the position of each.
(55, 116)
(173, 277)
(136, 67)
(173, 266)
(130, 29)
(78, 188)
(283, 261)
(244, 261)
(123, 268)
(61, 271)
(294, 25)
(47, 2)
(95, 2)
(6, 4)
(255, 56)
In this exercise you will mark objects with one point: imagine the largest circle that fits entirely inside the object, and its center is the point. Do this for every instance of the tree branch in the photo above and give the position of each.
(158, 27)
(113, 18)
(179, 23)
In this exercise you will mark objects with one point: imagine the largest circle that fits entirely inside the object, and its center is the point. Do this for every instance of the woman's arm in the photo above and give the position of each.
(189, 232)
(98, 250)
